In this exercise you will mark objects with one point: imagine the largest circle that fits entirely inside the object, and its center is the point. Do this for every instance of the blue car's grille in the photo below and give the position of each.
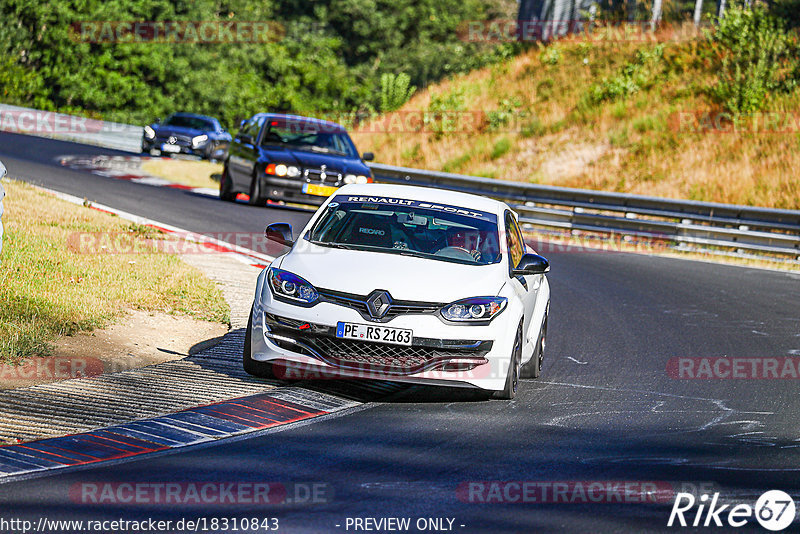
(315, 176)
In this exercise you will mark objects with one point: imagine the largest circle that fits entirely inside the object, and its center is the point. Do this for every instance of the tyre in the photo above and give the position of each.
(257, 197)
(533, 368)
(225, 187)
(251, 366)
(512, 378)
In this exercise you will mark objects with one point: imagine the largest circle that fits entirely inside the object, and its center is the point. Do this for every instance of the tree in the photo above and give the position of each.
(698, 12)
(656, 14)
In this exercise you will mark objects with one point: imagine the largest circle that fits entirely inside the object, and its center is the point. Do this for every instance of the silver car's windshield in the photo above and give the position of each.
(409, 227)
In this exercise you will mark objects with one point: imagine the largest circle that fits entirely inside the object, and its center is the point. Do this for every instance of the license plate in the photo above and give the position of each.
(319, 190)
(170, 148)
(377, 334)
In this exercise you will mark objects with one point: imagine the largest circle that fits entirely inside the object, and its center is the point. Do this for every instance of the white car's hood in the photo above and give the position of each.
(404, 277)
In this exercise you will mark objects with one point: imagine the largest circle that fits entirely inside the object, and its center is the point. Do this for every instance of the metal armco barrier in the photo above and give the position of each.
(700, 224)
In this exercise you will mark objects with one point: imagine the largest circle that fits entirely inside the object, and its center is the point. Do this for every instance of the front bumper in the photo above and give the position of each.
(291, 190)
(149, 145)
(303, 341)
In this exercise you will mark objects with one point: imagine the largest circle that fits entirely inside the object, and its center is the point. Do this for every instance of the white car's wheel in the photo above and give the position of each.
(251, 366)
(533, 368)
(512, 378)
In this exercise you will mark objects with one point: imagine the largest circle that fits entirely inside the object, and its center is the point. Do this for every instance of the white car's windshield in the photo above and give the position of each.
(409, 227)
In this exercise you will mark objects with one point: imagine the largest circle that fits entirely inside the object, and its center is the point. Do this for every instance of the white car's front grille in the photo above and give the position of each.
(397, 307)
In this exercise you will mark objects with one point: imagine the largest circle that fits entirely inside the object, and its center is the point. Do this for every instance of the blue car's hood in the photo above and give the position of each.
(314, 160)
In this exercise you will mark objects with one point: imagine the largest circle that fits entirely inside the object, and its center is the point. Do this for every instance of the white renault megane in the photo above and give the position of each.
(407, 284)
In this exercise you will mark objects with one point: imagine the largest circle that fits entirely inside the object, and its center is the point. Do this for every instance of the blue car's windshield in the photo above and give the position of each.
(308, 138)
(183, 121)
(409, 227)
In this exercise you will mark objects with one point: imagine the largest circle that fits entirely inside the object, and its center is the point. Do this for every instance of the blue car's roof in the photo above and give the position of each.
(328, 125)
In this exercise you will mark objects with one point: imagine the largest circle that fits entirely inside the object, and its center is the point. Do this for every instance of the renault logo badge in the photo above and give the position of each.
(378, 303)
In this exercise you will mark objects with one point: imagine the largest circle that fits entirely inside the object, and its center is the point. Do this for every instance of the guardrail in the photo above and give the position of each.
(65, 127)
(688, 223)
(685, 222)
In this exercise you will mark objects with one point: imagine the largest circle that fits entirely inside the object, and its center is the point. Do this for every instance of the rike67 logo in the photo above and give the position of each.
(774, 510)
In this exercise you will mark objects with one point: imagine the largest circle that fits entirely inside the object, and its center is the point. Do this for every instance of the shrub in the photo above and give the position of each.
(396, 90)
(441, 107)
(550, 56)
(637, 74)
(508, 109)
(758, 57)
(501, 147)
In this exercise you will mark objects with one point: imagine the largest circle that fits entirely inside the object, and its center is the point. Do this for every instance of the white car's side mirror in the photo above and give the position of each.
(532, 264)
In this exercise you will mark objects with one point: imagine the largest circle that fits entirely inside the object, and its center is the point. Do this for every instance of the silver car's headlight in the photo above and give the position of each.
(289, 287)
(199, 140)
(149, 132)
(474, 310)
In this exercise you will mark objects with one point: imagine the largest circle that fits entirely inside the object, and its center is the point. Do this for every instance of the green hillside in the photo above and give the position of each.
(711, 115)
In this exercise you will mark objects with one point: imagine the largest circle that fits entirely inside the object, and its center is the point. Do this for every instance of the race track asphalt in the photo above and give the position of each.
(606, 409)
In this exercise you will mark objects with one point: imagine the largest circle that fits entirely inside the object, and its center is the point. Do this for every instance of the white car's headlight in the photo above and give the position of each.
(149, 132)
(199, 140)
(290, 287)
(474, 310)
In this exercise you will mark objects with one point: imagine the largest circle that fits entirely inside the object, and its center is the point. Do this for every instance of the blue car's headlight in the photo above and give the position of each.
(199, 140)
(474, 310)
(149, 132)
(288, 286)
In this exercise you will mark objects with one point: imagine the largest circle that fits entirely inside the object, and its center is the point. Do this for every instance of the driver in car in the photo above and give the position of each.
(466, 239)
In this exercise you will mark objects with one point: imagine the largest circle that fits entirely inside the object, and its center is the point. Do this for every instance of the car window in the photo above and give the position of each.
(308, 136)
(182, 121)
(252, 127)
(516, 247)
(408, 227)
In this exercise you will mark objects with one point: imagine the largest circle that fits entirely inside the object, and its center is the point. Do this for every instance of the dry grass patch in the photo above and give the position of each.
(48, 290)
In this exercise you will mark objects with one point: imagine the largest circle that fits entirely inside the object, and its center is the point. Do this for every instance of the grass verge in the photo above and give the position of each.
(48, 290)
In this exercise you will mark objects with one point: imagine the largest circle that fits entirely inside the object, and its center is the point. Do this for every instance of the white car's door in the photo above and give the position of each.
(525, 287)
